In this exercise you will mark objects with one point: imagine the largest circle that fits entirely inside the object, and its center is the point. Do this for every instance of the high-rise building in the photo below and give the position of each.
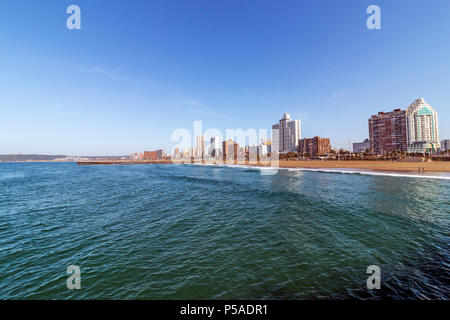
(214, 147)
(200, 147)
(445, 145)
(313, 147)
(230, 150)
(288, 133)
(387, 132)
(361, 146)
(422, 128)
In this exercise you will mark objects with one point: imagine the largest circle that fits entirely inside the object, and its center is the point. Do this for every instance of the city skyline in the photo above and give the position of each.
(396, 130)
(414, 130)
(134, 74)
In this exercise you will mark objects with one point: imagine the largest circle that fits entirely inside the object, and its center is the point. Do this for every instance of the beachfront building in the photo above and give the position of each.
(266, 146)
(263, 150)
(137, 156)
(230, 150)
(361, 146)
(314, 147)
(154, 155)
(214, 146)
(255, 152)
(200, 147)
(387, 132)
(288, 133)
(445, 145)
(422, 129)
(252, 153)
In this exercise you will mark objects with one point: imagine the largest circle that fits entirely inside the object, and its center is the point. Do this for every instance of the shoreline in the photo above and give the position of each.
(25, 161)
(376, 165)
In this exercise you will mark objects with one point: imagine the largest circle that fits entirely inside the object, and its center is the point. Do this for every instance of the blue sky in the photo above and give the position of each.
(138, 70)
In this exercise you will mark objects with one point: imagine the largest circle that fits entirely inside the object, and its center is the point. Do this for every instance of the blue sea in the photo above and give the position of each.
(210, 232)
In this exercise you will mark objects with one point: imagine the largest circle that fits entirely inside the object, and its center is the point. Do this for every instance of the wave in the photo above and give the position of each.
(12, 175)
(267, 170)
(371, 173)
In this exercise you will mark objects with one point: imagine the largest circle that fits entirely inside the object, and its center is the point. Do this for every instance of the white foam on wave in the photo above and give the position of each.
(371, 173)
(242, 166)
(333, 170)
(12, 175)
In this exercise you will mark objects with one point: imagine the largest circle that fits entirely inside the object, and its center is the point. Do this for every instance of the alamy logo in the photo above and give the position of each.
(374, 21)
(231, 149)
(74, 280)
(374, 281)
(74, 20)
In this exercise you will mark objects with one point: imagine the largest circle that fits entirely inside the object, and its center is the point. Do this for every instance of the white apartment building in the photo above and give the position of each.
(289, 133)
(200, 147)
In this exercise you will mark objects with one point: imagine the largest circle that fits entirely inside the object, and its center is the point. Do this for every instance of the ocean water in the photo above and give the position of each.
(207, 232)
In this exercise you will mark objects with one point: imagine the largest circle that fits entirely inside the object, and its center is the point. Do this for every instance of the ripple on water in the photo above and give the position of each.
(200, 232)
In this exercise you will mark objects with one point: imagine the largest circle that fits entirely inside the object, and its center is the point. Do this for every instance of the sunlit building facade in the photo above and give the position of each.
(313, 147)
(422, 128)
(289, 133)
(387, 132)
(200, 147)
(230, 150)
(154, 155)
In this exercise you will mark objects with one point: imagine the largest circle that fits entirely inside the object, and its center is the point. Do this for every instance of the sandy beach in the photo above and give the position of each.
(436, 166)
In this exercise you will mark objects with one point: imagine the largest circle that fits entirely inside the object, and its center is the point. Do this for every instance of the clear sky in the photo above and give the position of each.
(138, 70)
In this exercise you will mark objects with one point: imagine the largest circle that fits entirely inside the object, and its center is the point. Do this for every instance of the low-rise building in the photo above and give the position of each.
(316, 146)
(361, 146)
(445, 145)
(255, 152)
(154, 155)
(137, 156)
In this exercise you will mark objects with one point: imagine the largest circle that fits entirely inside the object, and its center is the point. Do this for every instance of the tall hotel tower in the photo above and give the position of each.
(288, 133)
(422, 129)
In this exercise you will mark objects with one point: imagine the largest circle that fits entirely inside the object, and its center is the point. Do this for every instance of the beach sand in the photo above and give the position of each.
(440, 166)
(436, 166)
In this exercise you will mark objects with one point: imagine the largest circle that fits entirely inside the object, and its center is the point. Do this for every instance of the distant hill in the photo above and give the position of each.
(51, 157)
(28, 157)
